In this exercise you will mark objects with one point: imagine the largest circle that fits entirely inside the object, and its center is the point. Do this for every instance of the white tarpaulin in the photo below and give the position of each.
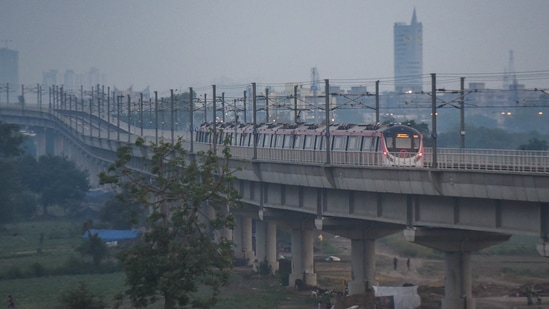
(404, 297)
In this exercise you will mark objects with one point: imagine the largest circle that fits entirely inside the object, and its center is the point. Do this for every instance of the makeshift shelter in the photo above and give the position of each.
(405, 297)
(112, 237)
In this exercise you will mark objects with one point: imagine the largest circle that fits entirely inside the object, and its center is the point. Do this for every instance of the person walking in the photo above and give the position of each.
(395, 263)
(408, 264)
(11, 303)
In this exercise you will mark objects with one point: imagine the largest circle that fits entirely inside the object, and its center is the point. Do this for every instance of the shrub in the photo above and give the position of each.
(14, 273)
(80, 297)
(264, 268)
(38, 270)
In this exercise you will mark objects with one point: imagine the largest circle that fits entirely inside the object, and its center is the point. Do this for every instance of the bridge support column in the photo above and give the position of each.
(457, 245)
(266, 244)
(543, 245)
(59, 145)
(302, 256)
(242, 236)
(363, 265)
(40, 140)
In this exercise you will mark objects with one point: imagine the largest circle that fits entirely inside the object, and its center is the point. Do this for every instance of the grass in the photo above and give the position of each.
(40, 293)
(21, 251)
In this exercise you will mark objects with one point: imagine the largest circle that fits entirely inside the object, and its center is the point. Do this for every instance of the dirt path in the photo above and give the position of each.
(498, 281)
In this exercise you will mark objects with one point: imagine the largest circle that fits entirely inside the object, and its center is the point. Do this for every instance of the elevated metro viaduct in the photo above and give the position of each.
(455, 211)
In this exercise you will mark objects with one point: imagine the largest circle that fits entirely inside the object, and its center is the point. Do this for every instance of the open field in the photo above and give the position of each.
(497, 279)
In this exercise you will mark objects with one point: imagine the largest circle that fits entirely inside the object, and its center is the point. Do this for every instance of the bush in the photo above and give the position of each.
(80, 298)
(38, 270)
(264, 268)
(14, 273)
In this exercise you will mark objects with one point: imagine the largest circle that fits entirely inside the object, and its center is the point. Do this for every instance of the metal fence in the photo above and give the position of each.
(507, 161)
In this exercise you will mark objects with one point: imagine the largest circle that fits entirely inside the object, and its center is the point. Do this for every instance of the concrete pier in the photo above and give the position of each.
(302, 256)
(457, 245)
(266, 244)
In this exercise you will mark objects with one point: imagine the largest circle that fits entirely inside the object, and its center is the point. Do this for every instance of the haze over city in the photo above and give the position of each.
(178, 44)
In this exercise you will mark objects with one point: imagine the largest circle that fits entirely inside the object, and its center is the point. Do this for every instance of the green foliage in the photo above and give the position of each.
(517, 245)
(10, 140)
(94, 247)
(80, 297)
(188, 206)
(8, 191)
(264, 268)
(38, 270)
(534, 144)
(491, 138)
(62, 183)
(408, 249)
(328, 248)
(423, 128)
(10, 188)
(120, 214)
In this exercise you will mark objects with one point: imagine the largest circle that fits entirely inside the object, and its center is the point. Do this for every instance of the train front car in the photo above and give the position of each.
(401, 146)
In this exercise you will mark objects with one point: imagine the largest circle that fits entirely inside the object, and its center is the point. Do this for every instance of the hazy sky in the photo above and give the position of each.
(181, 43)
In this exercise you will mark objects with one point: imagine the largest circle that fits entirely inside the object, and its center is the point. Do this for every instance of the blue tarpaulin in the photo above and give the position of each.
(114, 235)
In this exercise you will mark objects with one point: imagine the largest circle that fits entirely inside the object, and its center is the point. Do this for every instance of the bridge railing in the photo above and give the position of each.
(447, 158)
(490, 159)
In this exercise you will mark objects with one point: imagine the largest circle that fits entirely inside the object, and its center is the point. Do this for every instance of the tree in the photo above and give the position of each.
(60, 182)
(94, 246)
(534, 144)
(80, 297)
(10, 140)
(120, 214)
(189, 203)
(10, 188)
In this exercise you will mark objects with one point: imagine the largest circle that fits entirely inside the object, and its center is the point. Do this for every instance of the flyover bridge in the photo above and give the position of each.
(470, 200)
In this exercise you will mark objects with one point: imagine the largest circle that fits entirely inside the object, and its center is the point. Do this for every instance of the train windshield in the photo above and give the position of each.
(398, 141)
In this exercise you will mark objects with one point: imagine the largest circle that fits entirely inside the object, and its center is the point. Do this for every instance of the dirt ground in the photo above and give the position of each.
(498, 281)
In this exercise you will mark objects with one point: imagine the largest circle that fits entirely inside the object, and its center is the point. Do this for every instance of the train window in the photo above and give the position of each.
(368, 144)
(415, 142)
(353, 144)
(288, 141)
(279, 141)
(390, 141)
(298, 143)
(267, 141)
(339, 143)
(309, 141)
(244, 139)
(261, 142)
(403, 142)
(320, 143)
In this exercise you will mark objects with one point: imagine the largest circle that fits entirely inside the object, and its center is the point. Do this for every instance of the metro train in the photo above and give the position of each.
(385, 145)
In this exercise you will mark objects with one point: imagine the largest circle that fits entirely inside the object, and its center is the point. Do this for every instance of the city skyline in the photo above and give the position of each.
(408, 50)
(187, 43)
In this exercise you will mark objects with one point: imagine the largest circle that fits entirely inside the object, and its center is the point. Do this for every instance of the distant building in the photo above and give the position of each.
(69, 79)
(9, 68)
(49, 78)
(408, 52)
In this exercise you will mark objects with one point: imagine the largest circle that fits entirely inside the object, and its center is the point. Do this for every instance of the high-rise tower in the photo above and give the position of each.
(9, 68)
(408, 49)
